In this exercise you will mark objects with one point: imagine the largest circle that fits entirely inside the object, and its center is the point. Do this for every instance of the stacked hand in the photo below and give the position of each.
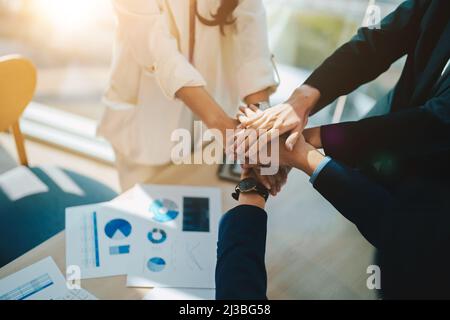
(287, 121)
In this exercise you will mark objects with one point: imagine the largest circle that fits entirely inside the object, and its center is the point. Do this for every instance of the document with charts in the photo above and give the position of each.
(40, 281)
(100, 239)
(178, 246)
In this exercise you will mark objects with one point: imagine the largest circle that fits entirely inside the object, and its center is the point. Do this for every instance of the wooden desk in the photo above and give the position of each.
(115, 287)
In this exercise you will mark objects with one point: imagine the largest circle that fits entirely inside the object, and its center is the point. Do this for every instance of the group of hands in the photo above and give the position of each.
(284, 123)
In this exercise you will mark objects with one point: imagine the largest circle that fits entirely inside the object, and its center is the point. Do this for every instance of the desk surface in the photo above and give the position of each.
(115, 287)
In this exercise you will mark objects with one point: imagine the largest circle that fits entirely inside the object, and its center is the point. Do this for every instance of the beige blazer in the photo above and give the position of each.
(150, 64)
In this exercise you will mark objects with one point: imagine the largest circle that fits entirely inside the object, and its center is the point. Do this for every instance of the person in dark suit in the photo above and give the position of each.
(241, 246)
(412, 233)
(387, 174)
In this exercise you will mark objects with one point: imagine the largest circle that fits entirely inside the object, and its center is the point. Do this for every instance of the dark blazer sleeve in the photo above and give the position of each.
(369, 206)
(404, 134)
(369, 53)
(240, 269)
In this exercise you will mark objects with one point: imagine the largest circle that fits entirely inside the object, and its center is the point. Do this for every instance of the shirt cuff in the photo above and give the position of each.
(319, 168)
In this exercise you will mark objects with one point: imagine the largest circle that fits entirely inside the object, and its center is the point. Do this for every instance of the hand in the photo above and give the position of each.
(312, 136)
(304, 99)
(291, 117)
(275, 182)
(223, 125)
(304, 157)
(272, 123)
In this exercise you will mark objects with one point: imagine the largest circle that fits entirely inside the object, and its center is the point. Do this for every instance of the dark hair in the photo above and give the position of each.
(223, 16)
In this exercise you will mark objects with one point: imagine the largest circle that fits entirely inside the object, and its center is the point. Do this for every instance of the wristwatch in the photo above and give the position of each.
(250, 185)
(264, 105)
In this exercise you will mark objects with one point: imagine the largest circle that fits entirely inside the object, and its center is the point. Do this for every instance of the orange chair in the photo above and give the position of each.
(17, 86)
(40, 216)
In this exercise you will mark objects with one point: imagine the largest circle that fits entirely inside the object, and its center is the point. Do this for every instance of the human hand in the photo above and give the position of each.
(291, 117)
(272, 182)
(270, 124)
(312, 136)
(304, 157)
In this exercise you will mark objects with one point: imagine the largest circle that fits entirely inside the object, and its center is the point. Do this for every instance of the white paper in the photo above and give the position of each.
(100, 239)
(156, 253)
(20, 182)
(76, 294)
(180, 294)
(40, 281)
(62, 180)
(185, 258)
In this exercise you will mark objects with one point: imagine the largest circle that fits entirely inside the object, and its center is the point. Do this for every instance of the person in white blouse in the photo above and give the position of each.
(175, 61)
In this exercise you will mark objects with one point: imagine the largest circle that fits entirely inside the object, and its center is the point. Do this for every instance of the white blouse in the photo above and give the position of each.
(150, 64)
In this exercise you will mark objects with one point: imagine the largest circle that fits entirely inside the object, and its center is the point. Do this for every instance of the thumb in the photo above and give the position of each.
(293, 137)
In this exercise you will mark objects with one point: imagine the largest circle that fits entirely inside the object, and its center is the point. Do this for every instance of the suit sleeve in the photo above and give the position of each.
(413, 132)
(240, 269)
(368, 54)
(366, 204)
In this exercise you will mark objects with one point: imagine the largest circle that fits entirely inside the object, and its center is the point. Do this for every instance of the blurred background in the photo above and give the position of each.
(70, 41)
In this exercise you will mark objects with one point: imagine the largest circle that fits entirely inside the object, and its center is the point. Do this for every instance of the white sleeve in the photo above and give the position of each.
(144, 30)
(255, 66)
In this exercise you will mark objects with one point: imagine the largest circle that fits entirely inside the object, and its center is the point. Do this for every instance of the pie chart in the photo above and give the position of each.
(118, 229)
(164, 210)
(157, 236)
(156, 264)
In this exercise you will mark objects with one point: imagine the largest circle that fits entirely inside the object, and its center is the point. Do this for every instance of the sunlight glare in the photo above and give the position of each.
(67, 15)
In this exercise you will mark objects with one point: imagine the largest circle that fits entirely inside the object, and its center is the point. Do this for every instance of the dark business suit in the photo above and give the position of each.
(240, 269)
(391, 176)
(419, 112)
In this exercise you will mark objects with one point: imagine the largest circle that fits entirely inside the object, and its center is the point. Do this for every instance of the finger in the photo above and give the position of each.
(252, 139)
(263, 179)
(241, 118)
(264, 123)
(248, 111)
(274, 186)
(263, 141)
(293, 138)
(256, 121)
(251, 120)
(242, 146)
(248, 166)
(246, 173)
(255, 109)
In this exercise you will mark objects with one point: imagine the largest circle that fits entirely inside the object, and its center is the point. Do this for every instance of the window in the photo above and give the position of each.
(70, 42)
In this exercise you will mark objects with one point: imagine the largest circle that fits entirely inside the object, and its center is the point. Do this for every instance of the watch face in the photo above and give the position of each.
(247, 184)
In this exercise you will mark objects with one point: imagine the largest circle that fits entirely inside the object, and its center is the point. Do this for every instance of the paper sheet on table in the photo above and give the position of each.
(180, 294)
(100, 239)
(20, 182)
(179, 245)
(40, 281)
